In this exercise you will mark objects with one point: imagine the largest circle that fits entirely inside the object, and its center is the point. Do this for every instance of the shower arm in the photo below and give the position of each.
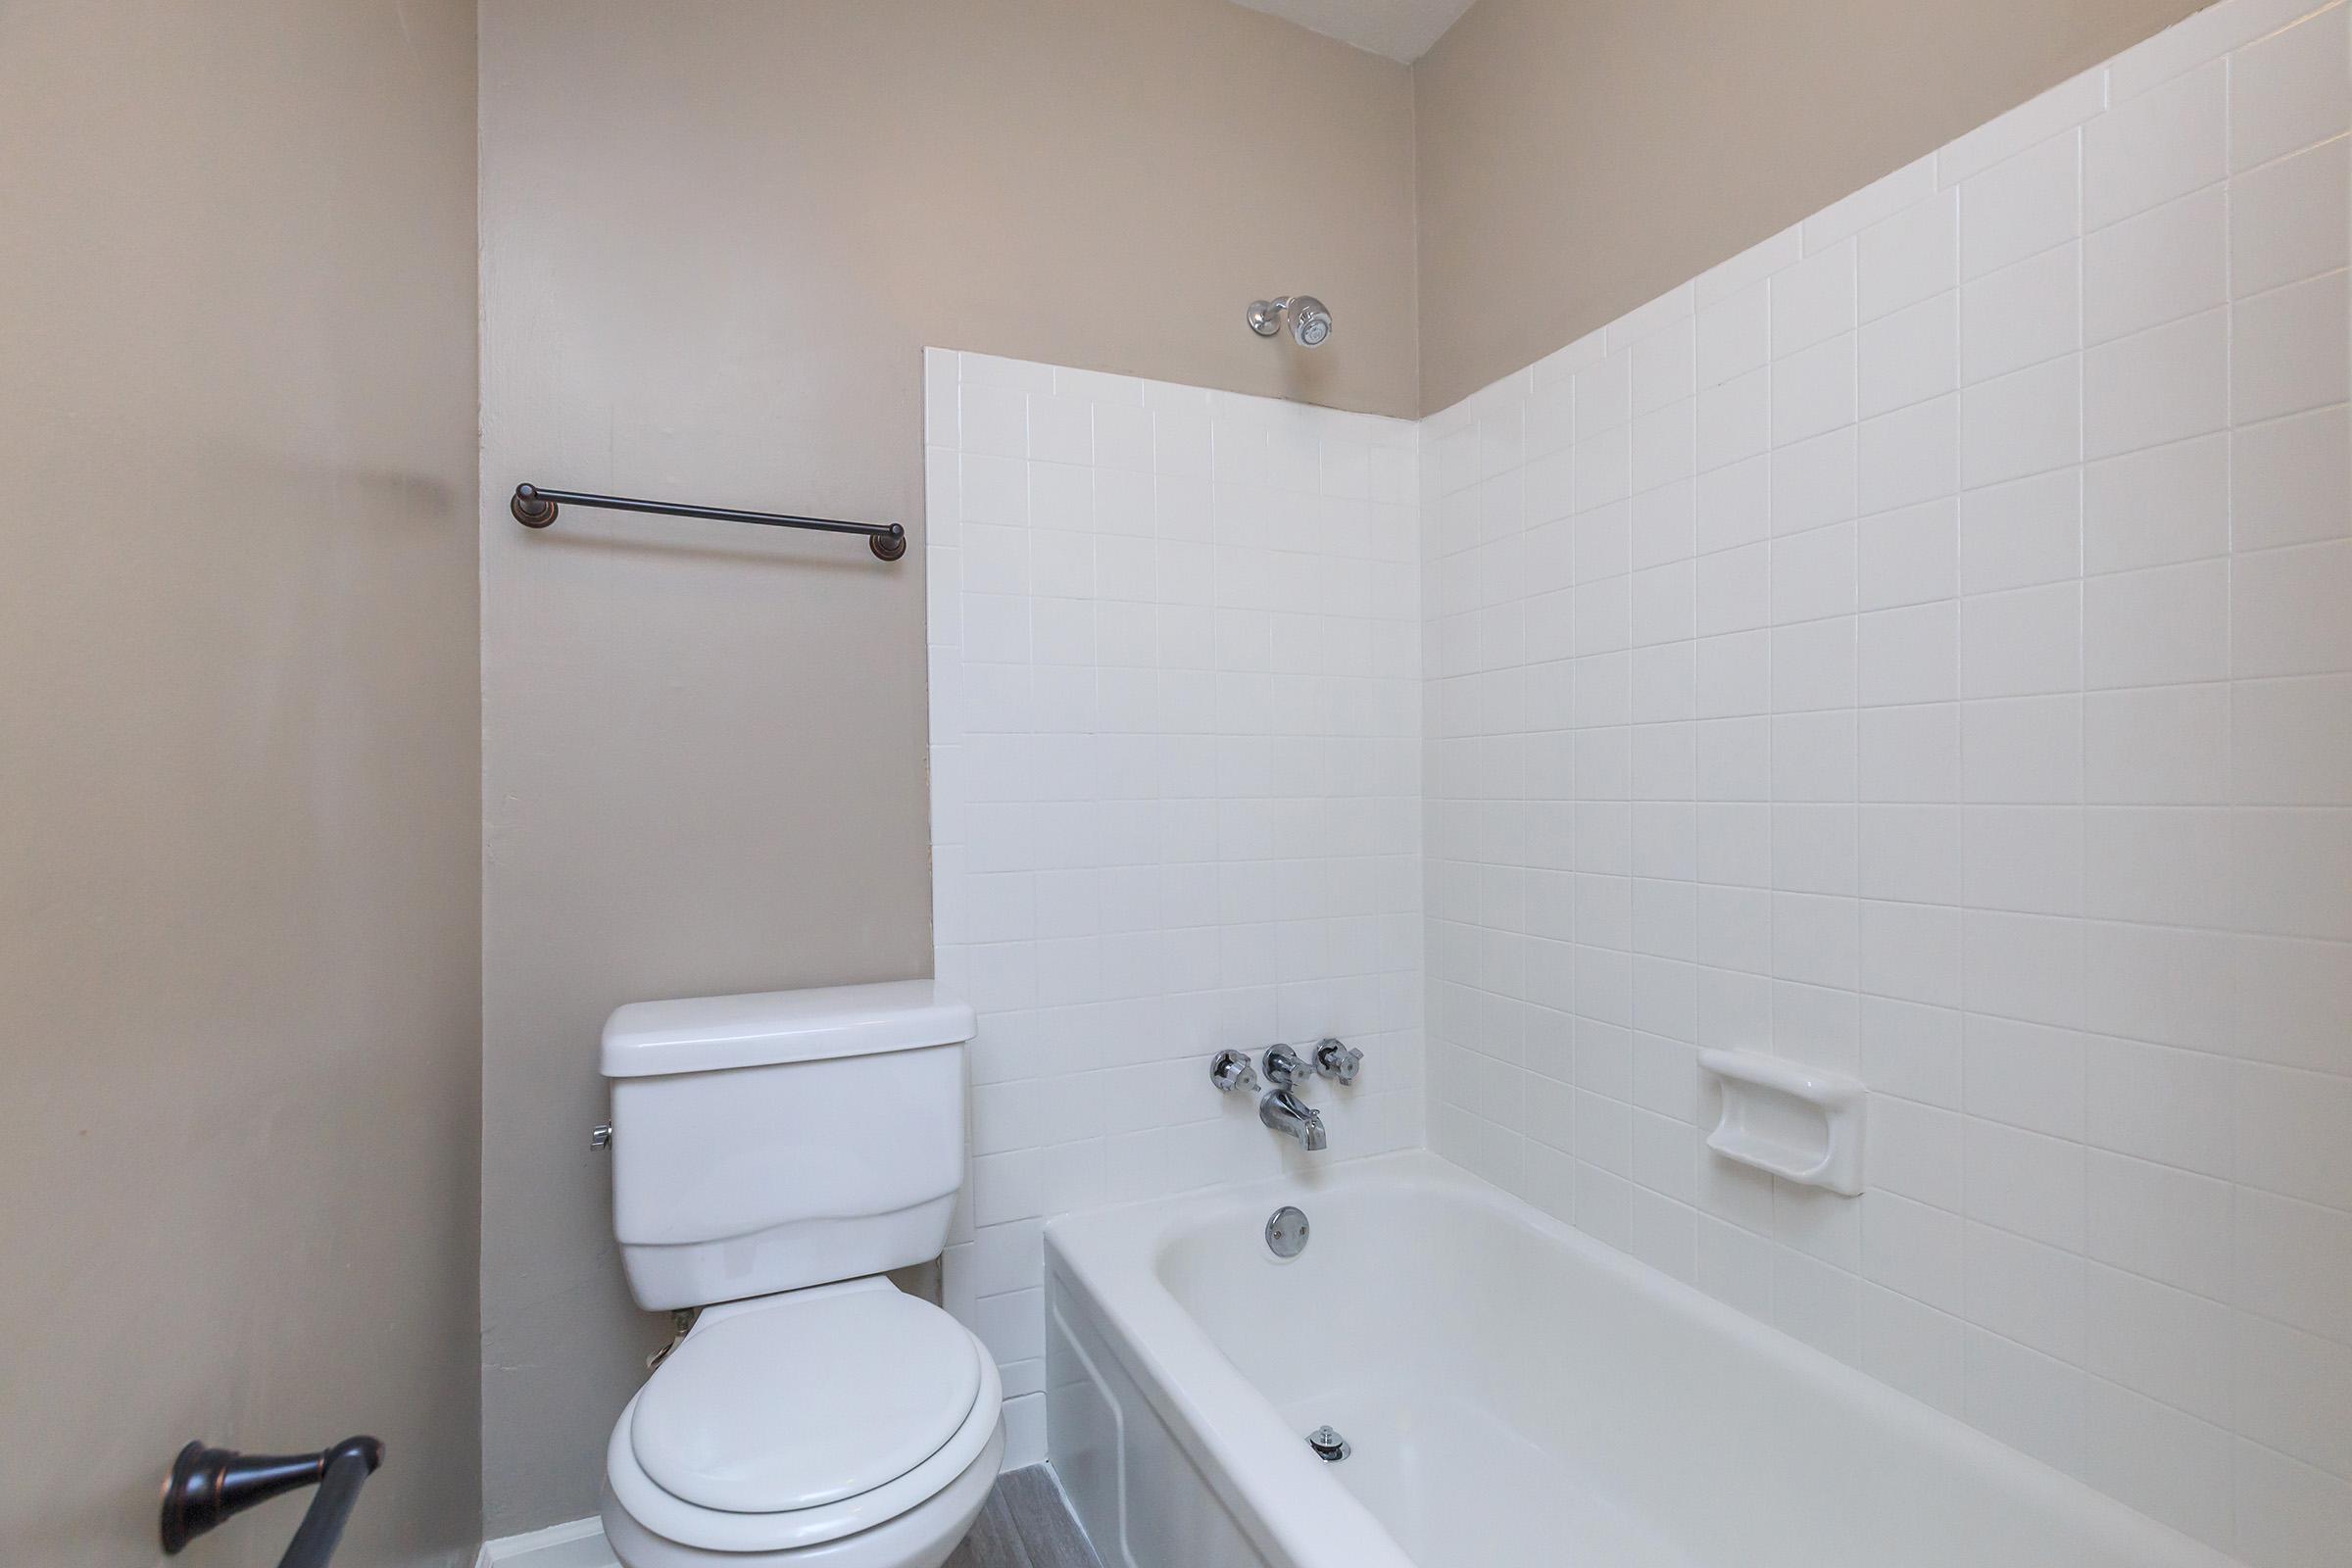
(1265, 315)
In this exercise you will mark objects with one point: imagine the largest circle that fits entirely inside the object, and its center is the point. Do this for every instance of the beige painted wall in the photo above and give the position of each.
(239, 1006)
(717, 237)
(1579, 158)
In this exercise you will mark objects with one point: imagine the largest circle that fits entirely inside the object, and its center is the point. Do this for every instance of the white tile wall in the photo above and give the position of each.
(1919, 646)
(1175, 760)
(1923, 647)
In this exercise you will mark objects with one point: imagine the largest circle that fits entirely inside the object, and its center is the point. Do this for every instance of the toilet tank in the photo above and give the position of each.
(763, 1143)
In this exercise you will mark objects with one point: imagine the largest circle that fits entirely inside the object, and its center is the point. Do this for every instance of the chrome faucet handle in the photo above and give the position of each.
(1335, 1058)
(1230, 1070)
(1286, 1068)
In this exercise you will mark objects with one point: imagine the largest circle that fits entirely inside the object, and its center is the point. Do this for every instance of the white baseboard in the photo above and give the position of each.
(577, 1545)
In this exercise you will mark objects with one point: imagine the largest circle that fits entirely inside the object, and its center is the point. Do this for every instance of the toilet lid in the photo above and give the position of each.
(806, 1402)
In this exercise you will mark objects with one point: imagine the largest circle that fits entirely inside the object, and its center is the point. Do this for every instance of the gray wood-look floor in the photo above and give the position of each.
(1024, 1525)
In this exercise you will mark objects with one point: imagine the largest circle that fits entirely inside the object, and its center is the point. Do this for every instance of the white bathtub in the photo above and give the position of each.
(1517, 1394)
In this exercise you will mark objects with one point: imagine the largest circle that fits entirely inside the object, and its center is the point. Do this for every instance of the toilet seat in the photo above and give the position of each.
(803, 1418)
(822, 1395)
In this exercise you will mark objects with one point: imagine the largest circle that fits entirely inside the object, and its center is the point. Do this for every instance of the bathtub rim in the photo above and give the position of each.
(1285, 1498)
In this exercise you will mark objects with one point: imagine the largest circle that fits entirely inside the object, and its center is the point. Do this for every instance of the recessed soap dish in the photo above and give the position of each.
(1795, 1122)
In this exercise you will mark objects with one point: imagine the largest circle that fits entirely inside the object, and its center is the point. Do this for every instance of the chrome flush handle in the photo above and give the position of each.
(1335, 1058)
(1230, 1070)
(1285, 1068)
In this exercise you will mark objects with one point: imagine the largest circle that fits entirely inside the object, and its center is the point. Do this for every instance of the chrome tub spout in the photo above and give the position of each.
(1293, 1117)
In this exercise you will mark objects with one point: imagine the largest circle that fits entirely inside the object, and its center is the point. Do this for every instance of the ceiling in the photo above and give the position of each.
(1401, 29)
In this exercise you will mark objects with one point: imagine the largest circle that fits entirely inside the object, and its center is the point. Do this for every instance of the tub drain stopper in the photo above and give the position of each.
(1329, 1446)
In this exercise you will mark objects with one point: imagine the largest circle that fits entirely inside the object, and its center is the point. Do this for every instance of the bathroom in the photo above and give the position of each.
(1750, 693)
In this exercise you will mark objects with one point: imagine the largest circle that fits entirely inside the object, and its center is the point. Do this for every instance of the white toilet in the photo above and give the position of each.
(772, 1154)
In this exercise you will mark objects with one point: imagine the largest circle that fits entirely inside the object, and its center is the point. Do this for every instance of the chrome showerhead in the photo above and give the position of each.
(1310, 323)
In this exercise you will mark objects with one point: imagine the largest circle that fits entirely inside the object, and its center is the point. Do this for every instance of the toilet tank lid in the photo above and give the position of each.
(766, 1028)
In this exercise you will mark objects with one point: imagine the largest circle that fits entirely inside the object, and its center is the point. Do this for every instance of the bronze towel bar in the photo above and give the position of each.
(535, 507)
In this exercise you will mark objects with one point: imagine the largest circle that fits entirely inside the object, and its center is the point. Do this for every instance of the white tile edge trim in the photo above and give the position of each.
(2196, 40)
(1046, 377)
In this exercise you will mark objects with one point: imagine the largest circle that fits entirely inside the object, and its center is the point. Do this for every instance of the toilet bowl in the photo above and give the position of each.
(842, 1426)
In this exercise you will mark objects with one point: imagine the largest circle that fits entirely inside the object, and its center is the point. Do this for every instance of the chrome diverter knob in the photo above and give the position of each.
(1285, 1068)
(1335, 1058)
